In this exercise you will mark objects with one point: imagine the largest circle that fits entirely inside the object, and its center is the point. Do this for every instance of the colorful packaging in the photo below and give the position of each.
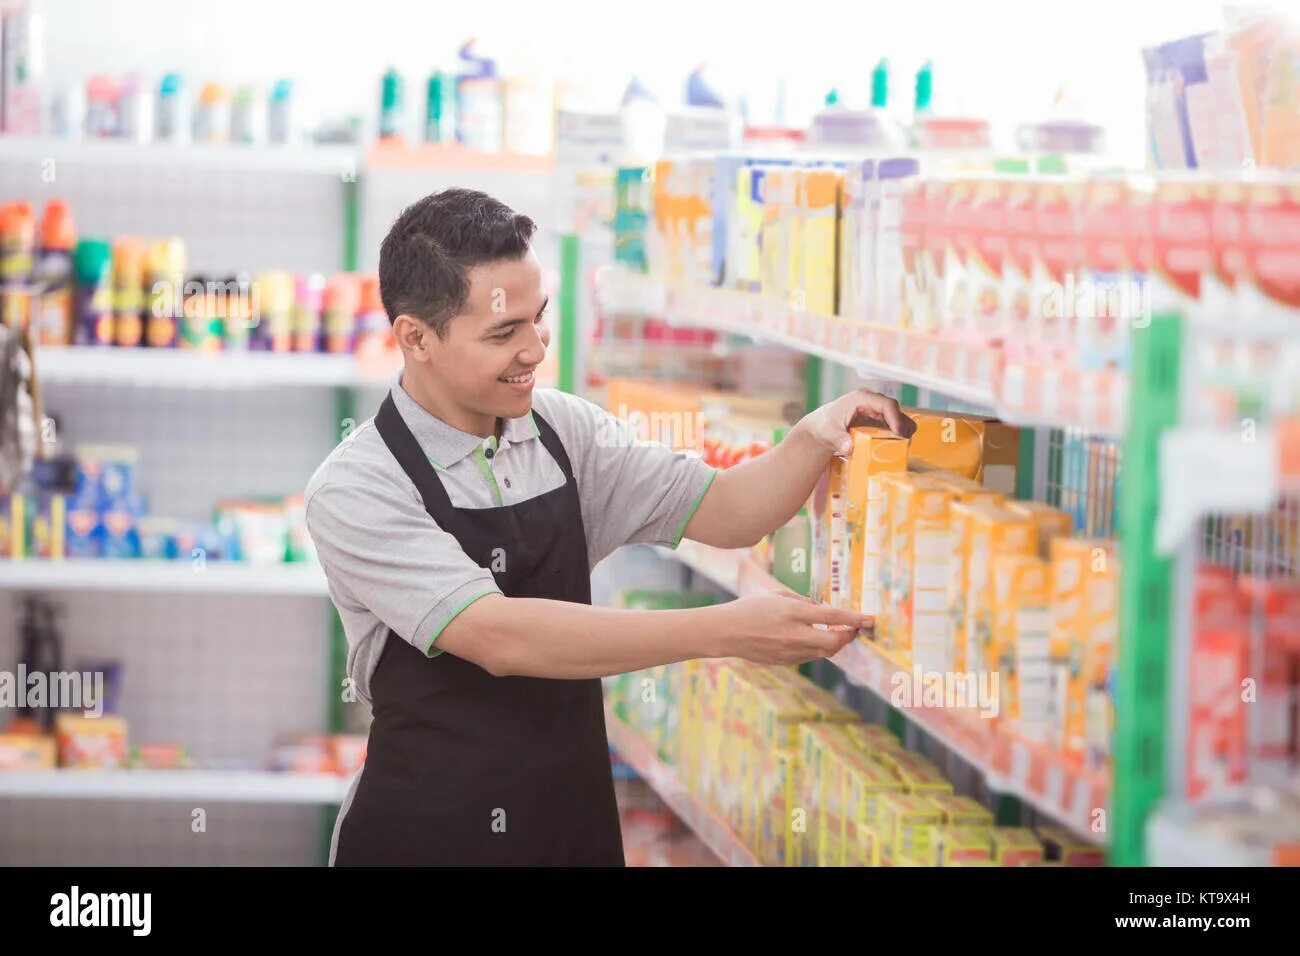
(157, 538)
(13, 523)
(724, 203)
(990, 530)
(1099, 658)
(746, 272)
(275, 319)
(876, 452)
(830, 535)
(128, 291)
(91, 743)
(885, 215)
(987, 256)
(947, 440)
(958, 251)
(1271, 290)
(165, 293)
(341, 298)
(819, 201)
(856, 246)
(937, 193)
(1182, 246)
(777, 714)
(917, 774)
(782, 841)
(1274, 726)
(1105, 309)
(27, 751)
(953, 844)
(1050, 522)
(54, 320)
(1217, 728)
(1058, 210)
(1018, 649)
(1015, 846)
(92, 261)
(309, 294)
(1073, 562)
(49, 526)
(919, 539)
(776, 240)
(906, 823)
(1018, 300)
(865, 780)
(1062, 846)
(961, 811)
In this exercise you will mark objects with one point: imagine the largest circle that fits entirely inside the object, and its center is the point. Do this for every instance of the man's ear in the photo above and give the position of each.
(412, 336)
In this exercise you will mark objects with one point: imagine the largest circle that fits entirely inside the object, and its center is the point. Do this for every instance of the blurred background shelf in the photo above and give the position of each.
(637, 752)
(225, 786)
(185, 369)
(162, 576)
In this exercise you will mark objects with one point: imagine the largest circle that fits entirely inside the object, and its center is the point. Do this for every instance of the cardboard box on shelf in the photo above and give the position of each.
(876, 453)
(919, 539)
(1019, 650)
(1073, 562)
(1050, 522)
(906, 823)
(1015, 846)
(989, 530)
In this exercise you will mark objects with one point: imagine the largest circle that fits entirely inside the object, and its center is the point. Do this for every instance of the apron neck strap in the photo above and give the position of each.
(397, 436)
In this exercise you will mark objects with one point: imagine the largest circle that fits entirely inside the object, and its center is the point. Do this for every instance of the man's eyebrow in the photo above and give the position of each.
(510, 323)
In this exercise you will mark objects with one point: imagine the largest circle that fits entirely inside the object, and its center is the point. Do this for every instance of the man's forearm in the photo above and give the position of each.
(534, 637)
(759, 495)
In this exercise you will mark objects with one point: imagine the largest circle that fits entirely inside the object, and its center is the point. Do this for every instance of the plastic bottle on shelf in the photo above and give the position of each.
(134, 110)
(245, 116)
(17, 247)
(643, 123)
(93, 262)
(128, 291)
(68, 111)
(279, 114)
(21, 69)
(55, 312)
(440, 108)
(173, 116)
(374, 332)
(479, 95)
(340, 302)
(308, 299)
(101, 107)
(165, 293)
(212, 118)
(239, 311)
(391, 106)
(275, 301)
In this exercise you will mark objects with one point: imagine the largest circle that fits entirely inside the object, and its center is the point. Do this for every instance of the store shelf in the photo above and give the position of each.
(451, 156)
(174, 368)
(215, 577)
(1009, 763)
(328, 158)
(637, 752)
(224, 786)
(973, 373)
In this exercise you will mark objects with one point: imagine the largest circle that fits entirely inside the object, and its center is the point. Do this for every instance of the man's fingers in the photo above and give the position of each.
(824, 614)
(881, 408)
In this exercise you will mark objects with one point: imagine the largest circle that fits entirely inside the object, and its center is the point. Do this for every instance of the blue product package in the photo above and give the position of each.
(157, 539)
(84, 533)
(723, 201)
(117, 477)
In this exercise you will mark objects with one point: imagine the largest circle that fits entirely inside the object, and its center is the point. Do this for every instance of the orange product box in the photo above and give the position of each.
(1279, 603)
(1217, 726)
(1062, 846)
(27, 751)
(976, 447)
(989, 530)
(819, 204)
(91, 743)
(1073, 561)
(919, 539)
(1018, 650)
(1101, 643)
(876, 452)
(953, 844)
(1050, 522)
(962, 811)
(1015, 846)
(906, 823)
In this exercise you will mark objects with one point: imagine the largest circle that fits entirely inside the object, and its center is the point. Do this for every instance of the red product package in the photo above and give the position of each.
(1217, 737)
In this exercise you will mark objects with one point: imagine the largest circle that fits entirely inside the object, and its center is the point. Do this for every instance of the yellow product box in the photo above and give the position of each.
(688, 746)
(906, 823)
(831, 809)
(745, 247)
(1018, 648)
(826, 707)
(992, 530)
(1064, 848)
(819, 201)
(777, 713)
(869, 737)
(818, 744)
(23, 751)
(962, 529)
(972, 863)
(876, 453)
(962, 811)
(13, 526)
(830, 535)
(1073, 562)
(917, 774)
(962, 489)
(1015, 846)
(1048, 521)
(921, 548)
(880, 540)
(780, 840)
(865, 781)
(777, 243)
(953, 844)
(712, 702)
(862, 846)
(738, 741)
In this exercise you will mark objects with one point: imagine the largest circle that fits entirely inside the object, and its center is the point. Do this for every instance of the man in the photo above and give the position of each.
(458, 529)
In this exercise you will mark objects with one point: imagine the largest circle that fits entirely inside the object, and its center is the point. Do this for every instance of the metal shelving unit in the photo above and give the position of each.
(220, 786)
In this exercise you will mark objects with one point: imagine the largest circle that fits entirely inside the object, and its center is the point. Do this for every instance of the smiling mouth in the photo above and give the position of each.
(517, 379)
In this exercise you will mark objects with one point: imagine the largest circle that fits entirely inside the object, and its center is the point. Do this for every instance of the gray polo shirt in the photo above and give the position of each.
(389, 565)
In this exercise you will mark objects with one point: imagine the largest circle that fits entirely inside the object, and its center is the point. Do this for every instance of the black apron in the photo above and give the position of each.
(463, 768)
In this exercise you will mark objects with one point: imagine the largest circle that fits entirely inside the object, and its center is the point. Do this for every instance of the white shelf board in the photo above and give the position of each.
(226, 786)
(306, 158)
(214, 577)
(185, 369)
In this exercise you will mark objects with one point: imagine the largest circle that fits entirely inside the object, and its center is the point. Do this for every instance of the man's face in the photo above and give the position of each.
(486, 362)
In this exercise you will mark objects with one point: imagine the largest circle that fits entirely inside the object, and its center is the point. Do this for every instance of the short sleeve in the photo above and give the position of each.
(379, 548)
(633, 491)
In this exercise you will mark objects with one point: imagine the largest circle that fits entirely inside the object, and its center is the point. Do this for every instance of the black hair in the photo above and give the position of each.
(425, 259)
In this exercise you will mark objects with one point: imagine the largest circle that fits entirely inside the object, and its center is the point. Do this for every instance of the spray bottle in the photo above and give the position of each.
(55, 313)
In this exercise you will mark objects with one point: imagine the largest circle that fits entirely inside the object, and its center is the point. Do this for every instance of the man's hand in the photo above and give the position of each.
(777, 627)
(829, 425)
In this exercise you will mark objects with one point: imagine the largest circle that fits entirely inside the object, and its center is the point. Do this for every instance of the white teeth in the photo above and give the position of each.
(519, 379)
